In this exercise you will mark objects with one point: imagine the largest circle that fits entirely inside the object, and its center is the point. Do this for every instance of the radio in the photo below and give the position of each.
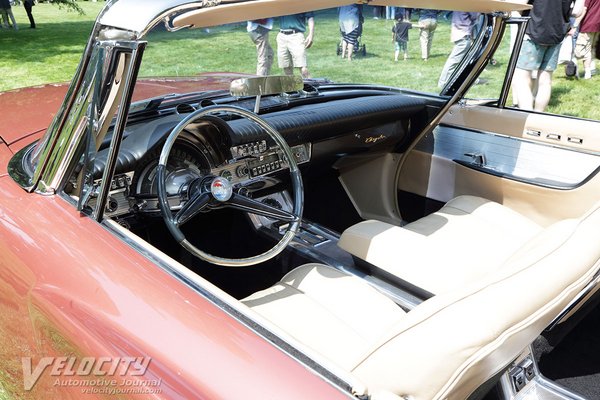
(264, 164)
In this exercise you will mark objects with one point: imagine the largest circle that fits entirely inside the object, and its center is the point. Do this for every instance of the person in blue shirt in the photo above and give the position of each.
(291, 43)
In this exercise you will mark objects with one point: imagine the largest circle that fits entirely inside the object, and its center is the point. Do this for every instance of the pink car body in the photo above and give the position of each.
(58, 298)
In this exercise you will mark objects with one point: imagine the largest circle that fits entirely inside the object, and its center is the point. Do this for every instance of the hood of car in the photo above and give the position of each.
(27, 112)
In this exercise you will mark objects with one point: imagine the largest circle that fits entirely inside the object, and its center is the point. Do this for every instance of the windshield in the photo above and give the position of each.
(392, 46)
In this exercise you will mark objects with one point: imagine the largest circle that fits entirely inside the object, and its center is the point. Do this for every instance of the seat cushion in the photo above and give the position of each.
(338, 315)
(466, 239)
(449, 345)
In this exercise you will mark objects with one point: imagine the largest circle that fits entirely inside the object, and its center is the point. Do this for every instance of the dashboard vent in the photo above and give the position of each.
(184, 108)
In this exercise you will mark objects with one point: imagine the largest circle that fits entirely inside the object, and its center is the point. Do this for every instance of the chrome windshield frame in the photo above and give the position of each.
(42, 167)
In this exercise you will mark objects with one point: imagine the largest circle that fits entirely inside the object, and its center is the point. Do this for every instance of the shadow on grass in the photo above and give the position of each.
(560, 96)
(47, 41)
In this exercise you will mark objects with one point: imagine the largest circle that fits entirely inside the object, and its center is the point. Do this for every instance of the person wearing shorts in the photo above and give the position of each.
(546, 30)
(587, 39)
(350, 19)
(400, 37)
(291, 43)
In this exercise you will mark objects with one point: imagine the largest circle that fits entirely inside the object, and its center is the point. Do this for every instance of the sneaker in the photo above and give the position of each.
(587, 74)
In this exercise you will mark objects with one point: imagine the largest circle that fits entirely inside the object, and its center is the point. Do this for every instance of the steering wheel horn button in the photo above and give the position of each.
(221, 189)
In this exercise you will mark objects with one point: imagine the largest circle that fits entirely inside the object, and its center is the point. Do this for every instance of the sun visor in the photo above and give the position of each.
(230, 12)
(482, 6)
(248, 10)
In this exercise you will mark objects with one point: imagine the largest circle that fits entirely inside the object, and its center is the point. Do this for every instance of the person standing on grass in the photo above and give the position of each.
(6, 12)
(587, 40)
(258, 31)
(461, 34)
(291, 43)
(428, 20)
(351, 20)
(28, 4)
(400, 37)
(539, 52)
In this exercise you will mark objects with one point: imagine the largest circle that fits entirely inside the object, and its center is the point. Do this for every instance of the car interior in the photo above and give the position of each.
(419, 248)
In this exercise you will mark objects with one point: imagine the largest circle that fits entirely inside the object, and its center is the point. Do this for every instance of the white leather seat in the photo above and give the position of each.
(449, 345)
(466, 239)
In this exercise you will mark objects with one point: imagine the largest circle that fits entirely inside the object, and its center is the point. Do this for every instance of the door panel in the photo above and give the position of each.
(527, 125)
(545, 167)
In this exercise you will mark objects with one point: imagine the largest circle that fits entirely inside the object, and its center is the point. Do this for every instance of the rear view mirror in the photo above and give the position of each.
(265, 85)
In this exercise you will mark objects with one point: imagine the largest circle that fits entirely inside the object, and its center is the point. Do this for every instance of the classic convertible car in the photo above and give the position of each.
(269, 237)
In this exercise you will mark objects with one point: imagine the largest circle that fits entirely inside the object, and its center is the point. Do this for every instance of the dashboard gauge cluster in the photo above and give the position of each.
(255, 159)
(184, 166)
(136, 191)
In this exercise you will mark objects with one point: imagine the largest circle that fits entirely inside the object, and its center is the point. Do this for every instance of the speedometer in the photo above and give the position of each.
(183, 167)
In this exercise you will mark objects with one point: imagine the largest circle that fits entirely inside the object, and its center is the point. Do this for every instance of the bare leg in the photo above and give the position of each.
(350, 51)
(304, 72)
(344, 47)
(396, 53)
(542, 98)
(522, 85)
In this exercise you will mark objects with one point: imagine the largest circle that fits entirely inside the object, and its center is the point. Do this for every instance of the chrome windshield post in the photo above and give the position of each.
(104, 90)
(130, 76)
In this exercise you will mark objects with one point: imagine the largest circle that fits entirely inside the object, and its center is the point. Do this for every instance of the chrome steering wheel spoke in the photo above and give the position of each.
(244, 203)
(221, 193)
(197, 203)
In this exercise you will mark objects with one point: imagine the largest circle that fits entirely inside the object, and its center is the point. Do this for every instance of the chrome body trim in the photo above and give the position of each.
(19, 167)
(42, 154)
(537, 387)
(140, 16)
(590, 289)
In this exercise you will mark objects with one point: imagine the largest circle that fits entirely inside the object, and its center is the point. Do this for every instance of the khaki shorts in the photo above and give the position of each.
(290, 50)
(584, 45)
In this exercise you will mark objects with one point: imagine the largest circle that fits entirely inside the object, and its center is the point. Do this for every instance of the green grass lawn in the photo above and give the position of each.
(51, 53)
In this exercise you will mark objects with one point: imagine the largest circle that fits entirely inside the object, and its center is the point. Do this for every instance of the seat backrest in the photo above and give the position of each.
(452, 343)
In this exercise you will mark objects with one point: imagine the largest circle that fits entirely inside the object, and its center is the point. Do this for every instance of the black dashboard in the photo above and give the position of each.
(319, 131)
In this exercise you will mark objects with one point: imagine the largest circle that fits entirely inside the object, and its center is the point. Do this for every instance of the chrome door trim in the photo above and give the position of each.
(512, 62)
(512, 158)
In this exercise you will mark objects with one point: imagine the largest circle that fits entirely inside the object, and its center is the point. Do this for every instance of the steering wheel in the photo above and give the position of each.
(216, 192)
